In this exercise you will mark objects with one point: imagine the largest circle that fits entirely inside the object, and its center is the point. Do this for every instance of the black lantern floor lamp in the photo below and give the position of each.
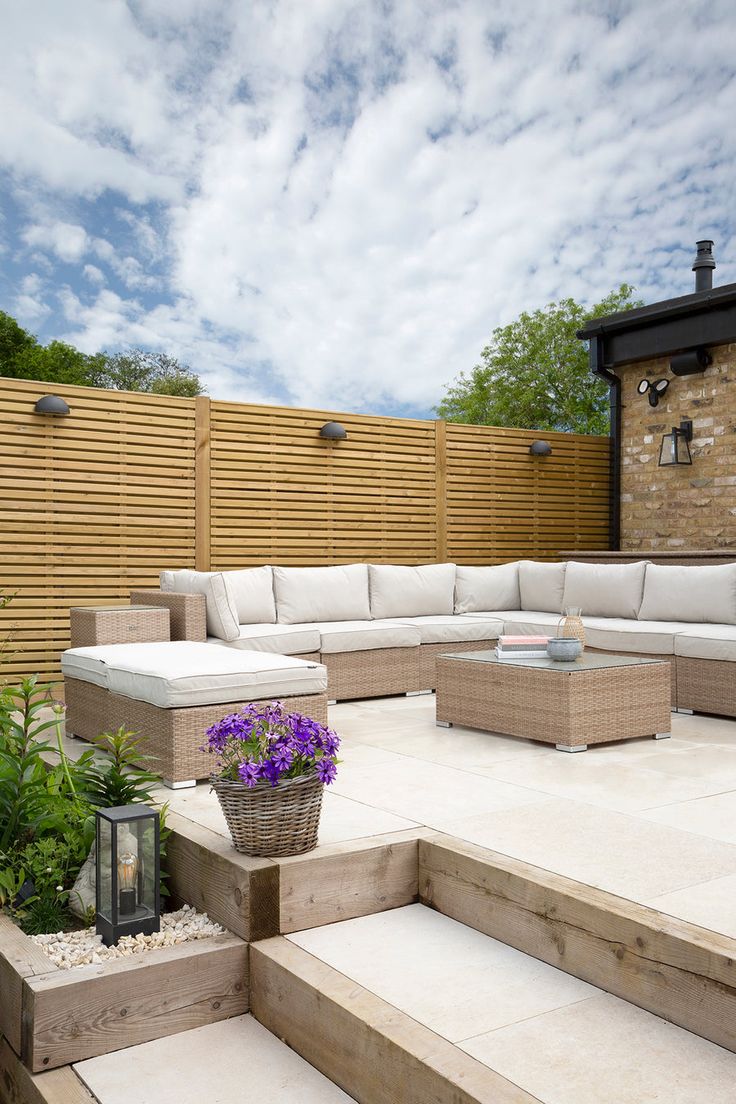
(128, 872)
(675, 447)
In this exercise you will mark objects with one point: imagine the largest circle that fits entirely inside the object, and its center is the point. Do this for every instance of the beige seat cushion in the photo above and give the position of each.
(222, 613)
(478, 589)
(528, 622)
(455, 628)
(284, 639)
(619, 634)
(707, 642)
(308, 594)
(541, 585)
(398, 591)
(364, 636)
(703, 594)
(604, 590)
(86, 665)
(184, 673)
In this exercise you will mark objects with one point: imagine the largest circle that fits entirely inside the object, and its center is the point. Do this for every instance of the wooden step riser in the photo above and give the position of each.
(374, 1052)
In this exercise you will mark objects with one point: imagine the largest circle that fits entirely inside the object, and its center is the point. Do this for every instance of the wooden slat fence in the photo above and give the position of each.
(95, 503)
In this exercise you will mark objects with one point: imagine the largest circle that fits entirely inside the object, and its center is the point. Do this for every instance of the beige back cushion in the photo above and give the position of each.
(411, 591)
(605, 590)
(308, 594)
(541, 585)
(702, 594)
(478, 589)
(222, 614)
(252, 590)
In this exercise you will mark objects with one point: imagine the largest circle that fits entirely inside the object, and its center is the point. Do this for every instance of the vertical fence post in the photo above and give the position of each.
(440, 467)
(202, 527)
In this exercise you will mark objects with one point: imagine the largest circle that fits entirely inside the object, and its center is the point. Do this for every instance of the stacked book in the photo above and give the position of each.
(522, 647)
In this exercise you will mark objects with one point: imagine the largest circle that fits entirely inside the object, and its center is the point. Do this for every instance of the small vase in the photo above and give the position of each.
(572, 625)
(272, 821)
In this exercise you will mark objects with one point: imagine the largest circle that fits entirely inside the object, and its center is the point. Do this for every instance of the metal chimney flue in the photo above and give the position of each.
(703, 265)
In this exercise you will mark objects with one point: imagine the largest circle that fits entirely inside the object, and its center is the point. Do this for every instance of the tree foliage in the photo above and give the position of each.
(23, 357)
(535, 375)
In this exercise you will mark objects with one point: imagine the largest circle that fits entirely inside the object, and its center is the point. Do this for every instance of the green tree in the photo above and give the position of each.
(535, 375)
(23, 357)
(158, 373)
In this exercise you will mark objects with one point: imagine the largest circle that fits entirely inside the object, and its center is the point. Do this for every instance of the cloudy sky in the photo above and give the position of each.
(333, 202)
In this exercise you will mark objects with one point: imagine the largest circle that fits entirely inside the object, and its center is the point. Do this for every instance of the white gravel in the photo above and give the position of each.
(85, 947)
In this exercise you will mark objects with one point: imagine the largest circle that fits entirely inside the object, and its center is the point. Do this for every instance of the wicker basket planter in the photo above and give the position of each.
(272, 821)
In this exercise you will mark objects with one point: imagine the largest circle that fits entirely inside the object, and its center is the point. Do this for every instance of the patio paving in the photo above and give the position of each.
(653, 821)
(649, 820)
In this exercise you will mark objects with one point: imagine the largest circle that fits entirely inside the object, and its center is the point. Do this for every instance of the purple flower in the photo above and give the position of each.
(249, 773)
(326, 771)
(282, 757)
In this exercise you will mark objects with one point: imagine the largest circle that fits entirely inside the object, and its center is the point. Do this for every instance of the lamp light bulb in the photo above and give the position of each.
(127, 870)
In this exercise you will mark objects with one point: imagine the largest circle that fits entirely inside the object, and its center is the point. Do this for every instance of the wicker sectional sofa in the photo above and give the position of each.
(378, 628)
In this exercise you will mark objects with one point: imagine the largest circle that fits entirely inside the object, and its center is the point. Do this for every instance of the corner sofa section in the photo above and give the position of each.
(379, 628)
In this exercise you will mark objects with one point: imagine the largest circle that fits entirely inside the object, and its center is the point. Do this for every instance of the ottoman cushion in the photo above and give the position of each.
(184, 673)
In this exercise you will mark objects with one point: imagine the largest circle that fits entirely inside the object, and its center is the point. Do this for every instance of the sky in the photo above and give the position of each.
(332, 203)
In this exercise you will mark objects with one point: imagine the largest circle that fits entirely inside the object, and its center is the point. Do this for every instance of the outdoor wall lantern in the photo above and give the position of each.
(675, 447)
(333, 431)
(127, 872)
(656, 390)
(540, 448)
(51, 404)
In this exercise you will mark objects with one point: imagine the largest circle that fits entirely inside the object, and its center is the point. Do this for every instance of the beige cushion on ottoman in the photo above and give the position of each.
(183, 673)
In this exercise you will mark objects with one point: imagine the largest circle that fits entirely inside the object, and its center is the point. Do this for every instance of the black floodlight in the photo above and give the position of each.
(333, 431)
(51, 404)
(656, 389)
(128, 872)
(675, 447)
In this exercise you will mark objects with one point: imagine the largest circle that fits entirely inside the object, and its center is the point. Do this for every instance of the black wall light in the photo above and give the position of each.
(51, 404)
(691, 362)
(540, 448)
(675, 447)
(333, 431)
(656, 389)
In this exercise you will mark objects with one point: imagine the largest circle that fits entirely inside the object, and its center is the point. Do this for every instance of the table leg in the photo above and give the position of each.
(443, 724)
(566, 747)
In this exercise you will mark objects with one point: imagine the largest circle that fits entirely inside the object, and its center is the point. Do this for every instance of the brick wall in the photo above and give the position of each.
(679, 507)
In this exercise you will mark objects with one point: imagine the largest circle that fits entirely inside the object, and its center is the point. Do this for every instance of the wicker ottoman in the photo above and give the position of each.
(171, 692)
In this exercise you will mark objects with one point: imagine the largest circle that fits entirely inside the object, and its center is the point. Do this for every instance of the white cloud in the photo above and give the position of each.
(68, 242)
(355, 194)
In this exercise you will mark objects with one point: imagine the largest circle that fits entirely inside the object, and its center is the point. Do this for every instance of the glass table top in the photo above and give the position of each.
(588, 661)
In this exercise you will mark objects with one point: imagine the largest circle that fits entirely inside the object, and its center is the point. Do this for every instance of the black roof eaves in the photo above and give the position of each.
(696, 303)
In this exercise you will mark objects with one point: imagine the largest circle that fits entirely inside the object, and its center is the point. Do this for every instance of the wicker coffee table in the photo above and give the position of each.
(596, 699)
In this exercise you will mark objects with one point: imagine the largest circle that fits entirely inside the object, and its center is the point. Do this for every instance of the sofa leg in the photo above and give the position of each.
(688, 712)
(179, 785)
(662, 735)
(443, 724)
(571, 750)
(417, 693)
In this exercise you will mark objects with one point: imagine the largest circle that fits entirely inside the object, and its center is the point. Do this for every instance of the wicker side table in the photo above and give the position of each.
(92, 625)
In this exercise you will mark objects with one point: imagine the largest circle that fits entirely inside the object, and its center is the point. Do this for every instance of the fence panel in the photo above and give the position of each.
(97, 502)
(93, 504)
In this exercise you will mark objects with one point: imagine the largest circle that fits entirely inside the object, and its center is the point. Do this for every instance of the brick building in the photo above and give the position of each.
(687, 348)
